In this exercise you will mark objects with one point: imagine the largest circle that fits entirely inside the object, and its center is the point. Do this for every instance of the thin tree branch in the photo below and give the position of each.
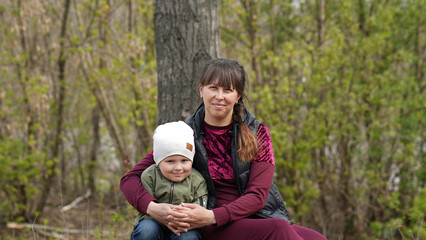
(76, 201)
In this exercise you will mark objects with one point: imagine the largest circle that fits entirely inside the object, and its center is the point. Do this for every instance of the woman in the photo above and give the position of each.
(234, 154)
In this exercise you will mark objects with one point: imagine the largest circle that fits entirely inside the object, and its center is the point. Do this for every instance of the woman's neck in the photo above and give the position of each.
(207, 125)
(217, 122)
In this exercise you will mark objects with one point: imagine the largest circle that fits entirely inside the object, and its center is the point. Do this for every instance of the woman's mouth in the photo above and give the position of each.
(218, 105)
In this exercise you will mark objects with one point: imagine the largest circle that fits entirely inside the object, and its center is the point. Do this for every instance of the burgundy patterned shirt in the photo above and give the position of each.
(217, 142)
(230, 206)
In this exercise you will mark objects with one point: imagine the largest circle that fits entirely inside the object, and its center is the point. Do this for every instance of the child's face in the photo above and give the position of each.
(176, 167)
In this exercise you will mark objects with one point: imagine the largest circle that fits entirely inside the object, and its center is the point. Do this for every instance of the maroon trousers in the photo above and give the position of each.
(261, 229)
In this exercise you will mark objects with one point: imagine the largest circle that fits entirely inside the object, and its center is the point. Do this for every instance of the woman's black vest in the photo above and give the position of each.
(274, 206)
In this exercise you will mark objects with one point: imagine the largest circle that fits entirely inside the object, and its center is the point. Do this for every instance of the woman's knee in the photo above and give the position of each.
(308, 233)
(279, 224)
(283, 230)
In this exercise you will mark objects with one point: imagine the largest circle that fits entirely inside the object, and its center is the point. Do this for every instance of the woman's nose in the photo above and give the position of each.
(219, 94)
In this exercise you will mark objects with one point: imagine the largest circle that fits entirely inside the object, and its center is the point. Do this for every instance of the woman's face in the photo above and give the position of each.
(219, 103)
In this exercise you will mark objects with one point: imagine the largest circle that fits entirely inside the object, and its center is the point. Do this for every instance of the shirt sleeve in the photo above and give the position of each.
(131, 186)
(259, 184)
(266, 152)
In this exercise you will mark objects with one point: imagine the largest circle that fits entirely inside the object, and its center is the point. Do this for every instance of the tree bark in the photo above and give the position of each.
(101, 98)
(23, 78)
(250, 24)
(51, 173)
(94, 151)
(361, 17)
(186, 37)
(320, 21)
(140, 112)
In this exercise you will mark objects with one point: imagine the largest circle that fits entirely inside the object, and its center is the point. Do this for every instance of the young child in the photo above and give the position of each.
(171, 180)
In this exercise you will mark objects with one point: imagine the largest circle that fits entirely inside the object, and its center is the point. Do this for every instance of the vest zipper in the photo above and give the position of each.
(171, 192)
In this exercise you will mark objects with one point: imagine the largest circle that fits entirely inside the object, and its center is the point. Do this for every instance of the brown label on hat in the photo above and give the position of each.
(189, 146)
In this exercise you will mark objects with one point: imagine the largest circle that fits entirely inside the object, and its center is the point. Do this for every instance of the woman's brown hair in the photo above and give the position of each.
(230, 74)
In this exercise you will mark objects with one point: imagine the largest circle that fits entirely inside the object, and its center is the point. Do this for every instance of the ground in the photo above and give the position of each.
(108, 217)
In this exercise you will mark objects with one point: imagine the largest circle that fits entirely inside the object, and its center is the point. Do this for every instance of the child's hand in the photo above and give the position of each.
(190, 216)
(163, 212)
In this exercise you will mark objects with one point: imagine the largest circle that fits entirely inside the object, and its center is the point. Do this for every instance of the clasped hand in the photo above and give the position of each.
(181, 218)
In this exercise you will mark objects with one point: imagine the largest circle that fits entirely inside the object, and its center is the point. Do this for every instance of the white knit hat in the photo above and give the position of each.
(173, 138)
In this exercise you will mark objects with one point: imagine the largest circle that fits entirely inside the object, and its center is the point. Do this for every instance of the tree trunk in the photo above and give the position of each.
(93, 152)
(320, 22)
(140, 112)
(250, 25)
(101, 99)
(361, 17)
(186, 37)
(60, 110)
(23, 79)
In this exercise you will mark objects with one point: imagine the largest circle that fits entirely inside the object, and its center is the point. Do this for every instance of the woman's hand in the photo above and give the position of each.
(162, 211)
(189, 216)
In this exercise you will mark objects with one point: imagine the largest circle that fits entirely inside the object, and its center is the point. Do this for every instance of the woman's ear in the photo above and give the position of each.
(200, 89)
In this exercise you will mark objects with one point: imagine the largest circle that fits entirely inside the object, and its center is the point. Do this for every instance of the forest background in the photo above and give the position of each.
(339, 84)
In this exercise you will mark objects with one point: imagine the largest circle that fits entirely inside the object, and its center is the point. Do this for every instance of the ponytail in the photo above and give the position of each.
(247, 142)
